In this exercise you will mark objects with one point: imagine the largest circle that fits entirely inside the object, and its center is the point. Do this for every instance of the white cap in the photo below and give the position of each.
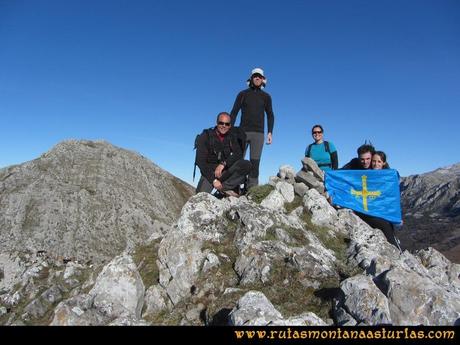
(258, 71)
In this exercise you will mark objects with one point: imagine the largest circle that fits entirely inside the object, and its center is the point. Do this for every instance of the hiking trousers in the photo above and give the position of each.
(231, 177)
(255, 142)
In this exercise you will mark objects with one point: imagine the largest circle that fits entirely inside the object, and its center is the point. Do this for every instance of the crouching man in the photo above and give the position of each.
(219, 155)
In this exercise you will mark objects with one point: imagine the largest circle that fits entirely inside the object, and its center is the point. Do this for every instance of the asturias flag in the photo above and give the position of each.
(372, 192)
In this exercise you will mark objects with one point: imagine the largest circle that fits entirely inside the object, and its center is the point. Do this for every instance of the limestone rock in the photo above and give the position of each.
(416, 300)
(300, 189)
(156, 301)
(286, 190)
(287, 172)
(254, 309)
(119, 290)
(322, 213)
(78, 311)
(307, 178)
(309, 164)
(86, 200)
(364, 301)
(179, 268)
(274, 200)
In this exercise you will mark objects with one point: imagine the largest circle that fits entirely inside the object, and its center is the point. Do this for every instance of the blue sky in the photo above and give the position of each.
(149, 75)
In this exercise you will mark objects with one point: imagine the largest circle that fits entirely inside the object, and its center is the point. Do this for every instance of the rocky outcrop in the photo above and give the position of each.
(431, 210)
(86, 201)
(280, 256)
(117, 297)
(254, 309)
(398, 288)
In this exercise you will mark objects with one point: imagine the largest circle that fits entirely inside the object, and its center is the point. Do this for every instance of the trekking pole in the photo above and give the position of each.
(397, 243)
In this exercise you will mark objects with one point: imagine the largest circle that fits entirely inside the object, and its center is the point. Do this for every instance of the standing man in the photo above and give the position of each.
(219, 155)
(254, 103)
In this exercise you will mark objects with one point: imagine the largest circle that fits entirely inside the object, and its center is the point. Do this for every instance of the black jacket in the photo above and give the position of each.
(253, 102)
(354, 164)
(210, 151)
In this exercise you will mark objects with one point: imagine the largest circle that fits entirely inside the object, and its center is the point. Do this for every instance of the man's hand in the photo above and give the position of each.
(269, 138)
(217, 185)
(218, 171)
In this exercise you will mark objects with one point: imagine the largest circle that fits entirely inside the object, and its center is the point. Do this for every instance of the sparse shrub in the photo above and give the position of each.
(259, 193)
(145, 258)
(291, 206)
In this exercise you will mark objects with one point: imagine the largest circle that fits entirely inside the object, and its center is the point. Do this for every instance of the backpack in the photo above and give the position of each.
(235, 131)
(326, 147)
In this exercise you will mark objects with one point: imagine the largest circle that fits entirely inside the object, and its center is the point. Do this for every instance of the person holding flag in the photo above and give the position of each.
(372, 193)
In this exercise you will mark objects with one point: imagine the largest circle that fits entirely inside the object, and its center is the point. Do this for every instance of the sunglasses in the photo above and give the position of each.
(224, 123)
(316, 132)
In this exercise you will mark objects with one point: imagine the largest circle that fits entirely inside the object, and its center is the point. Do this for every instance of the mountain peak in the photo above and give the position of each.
(87, 200)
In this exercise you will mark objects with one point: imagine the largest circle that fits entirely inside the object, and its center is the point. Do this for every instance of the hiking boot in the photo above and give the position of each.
(231, 193)
(219, 195)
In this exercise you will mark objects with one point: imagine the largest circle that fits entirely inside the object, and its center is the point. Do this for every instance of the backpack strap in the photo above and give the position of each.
(207, 132)
(326, 147)
(309, 150)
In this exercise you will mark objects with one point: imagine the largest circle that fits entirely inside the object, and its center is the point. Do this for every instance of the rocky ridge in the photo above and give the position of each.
(281, 256)
(431, 206)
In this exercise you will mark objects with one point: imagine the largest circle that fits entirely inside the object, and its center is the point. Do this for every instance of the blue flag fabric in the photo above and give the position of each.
(372, 192)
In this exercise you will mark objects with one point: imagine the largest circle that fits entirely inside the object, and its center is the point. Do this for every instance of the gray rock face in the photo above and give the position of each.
(116, 298)
(309, 164)
(287, 173)
(254, 309)
(219, 245)
(308, 179)
(156, 301)
(431, 211)
(415, 289)
(12, 269)
(275, 200)
(78, 311)
(364, 301)
(286, 190)
(322, 213)
(300, 189)
(86, 200)
(179, 268)
(417, 300)
(119, 290)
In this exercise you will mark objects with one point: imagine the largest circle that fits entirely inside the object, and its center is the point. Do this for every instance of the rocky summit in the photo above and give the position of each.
(282, 255)
(86, 201)
(431, 207)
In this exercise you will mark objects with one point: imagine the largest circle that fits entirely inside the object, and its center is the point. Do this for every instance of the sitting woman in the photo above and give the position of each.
(321, 151)
(379, 161)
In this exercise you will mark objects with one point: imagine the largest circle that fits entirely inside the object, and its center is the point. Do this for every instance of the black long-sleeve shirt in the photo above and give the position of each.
(354, 164)
(253, 102)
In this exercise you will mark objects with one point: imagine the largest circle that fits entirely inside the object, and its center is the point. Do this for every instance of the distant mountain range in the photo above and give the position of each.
(431, 211)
